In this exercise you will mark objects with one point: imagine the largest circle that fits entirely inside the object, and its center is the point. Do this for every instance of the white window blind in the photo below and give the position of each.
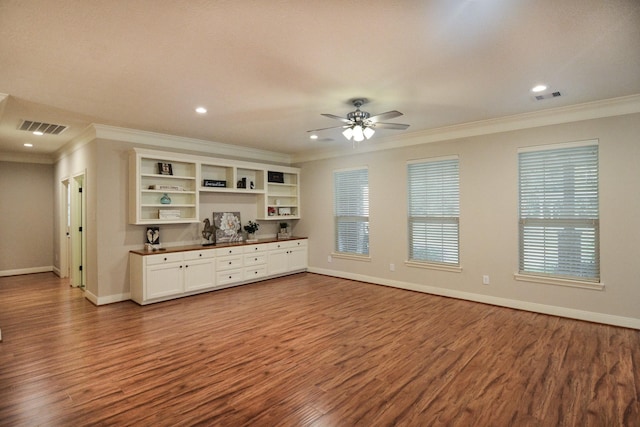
(351, 210)
(434, 211)
(559, 219)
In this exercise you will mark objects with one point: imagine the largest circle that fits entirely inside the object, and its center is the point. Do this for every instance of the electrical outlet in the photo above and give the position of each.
(392, 267)
(329, 259)
(485, 280)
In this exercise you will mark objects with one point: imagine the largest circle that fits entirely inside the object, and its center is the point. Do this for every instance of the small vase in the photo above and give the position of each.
(165, 199)
(251, 237)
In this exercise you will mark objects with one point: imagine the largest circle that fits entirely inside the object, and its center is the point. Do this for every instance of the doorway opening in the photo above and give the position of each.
(73, 247)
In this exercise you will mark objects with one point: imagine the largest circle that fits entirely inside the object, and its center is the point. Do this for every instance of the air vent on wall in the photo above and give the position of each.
(547, 96)
(45, 128)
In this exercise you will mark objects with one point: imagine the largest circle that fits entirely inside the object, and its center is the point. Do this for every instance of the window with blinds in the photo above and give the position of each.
(351, 211)
(434, 210)
(559, 219)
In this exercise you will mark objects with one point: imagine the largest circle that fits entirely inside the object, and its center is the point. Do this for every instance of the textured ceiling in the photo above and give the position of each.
(267, 69)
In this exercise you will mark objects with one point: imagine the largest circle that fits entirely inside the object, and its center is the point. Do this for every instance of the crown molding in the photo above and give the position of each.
(85, 137)
(191, 144)
(553, 116)
(44, 159)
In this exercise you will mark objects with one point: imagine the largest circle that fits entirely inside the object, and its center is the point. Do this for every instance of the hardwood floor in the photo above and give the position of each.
(305, 350)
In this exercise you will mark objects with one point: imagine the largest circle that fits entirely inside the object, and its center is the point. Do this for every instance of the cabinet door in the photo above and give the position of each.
(199, 274)
(277, 261)
(297, 258)
(163, 280)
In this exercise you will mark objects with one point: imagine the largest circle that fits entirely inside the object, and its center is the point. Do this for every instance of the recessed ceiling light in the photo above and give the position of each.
(26, 144)
(39, 133)
(313, 136)
(201, 110)
(538, 88)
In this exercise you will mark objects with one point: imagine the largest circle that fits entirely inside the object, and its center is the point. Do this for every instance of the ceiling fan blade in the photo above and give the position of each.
(385, 116)
(332, 127)
(397, 126)
(331, 116)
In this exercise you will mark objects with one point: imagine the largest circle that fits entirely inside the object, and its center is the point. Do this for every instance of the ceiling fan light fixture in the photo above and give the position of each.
(358, 134)
(348, 133)
(368, 132)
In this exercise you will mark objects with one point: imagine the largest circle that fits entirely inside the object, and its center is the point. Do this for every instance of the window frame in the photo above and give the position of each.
(547, 225)
(361, 215)
(443, 218)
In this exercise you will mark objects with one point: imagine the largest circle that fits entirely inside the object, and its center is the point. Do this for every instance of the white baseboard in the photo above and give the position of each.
(109, 299)
(590, 316)
(29, 270)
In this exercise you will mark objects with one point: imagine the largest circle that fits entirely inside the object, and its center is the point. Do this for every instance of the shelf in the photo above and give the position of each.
(230, 190)
(172, 205)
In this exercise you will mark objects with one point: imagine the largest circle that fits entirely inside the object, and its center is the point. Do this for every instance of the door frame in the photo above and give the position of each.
(73, 215)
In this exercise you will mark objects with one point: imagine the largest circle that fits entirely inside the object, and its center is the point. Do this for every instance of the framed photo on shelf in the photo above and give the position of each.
(165, 168)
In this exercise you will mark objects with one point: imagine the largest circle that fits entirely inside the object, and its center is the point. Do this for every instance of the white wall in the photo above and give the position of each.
(26, 221)
(81, 161)
(489, 220)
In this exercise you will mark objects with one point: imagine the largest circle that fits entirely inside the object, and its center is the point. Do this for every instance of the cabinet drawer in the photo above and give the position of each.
(276, 245)
(230, 276)
(163, 258)
(255, 259)
(207, 253)
(298, 243)
(228, 262)
(233, 250)
(255, 272)
(255, 248)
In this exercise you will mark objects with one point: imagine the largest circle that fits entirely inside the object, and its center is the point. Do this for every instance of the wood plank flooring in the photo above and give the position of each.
(305, 350)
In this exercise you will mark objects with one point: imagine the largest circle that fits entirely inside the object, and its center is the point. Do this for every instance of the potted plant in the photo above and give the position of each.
(251, 229)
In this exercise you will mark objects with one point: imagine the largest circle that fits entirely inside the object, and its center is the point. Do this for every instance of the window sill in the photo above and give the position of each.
(365, 258)
(583, 284)
(434, 266)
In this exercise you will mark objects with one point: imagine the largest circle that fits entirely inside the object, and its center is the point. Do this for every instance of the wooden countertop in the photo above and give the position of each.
(217, 245)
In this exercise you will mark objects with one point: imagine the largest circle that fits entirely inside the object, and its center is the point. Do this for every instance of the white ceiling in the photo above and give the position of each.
(267, 69)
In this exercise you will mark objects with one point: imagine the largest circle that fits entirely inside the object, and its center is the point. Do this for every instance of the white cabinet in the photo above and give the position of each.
(180, 272)
(164, 276)
(229, 265)
(286, 257)
(199, 270)
(254, 261)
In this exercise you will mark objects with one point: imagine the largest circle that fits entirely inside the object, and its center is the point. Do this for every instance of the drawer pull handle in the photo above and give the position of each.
(229, 262)
(200, 254)
(165, 259)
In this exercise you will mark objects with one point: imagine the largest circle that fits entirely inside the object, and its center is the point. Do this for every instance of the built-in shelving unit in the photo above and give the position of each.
(236, 178)
(149, 183)
(282, 198)
(276, 188)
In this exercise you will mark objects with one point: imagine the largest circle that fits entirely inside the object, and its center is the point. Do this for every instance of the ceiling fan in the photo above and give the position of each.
(360, 124)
